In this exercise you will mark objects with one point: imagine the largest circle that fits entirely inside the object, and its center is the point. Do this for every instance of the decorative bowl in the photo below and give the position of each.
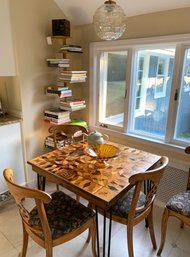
(103, 152)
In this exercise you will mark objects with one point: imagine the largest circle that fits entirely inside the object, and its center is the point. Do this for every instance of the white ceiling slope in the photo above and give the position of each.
(80, 12)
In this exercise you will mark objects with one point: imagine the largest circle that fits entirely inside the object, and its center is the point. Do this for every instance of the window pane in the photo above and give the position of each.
(152, 90)
(112, 88)
(182, 130)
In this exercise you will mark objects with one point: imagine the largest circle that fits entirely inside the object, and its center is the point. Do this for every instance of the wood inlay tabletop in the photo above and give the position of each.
(75, 170)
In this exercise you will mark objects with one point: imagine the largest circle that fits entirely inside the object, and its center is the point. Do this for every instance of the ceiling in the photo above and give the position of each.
(81, 12)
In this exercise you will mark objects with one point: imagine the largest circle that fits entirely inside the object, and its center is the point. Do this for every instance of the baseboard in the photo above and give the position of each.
(159, 203)
(32, 184)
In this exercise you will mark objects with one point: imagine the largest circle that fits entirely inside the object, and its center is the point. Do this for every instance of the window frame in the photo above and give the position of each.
(130, 130)
(182, 42)
(103, 91)
(183, 49)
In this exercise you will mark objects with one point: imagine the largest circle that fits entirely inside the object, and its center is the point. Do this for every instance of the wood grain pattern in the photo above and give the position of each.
(73, 168)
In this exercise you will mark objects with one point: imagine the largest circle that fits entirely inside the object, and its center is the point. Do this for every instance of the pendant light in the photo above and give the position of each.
(109, 21)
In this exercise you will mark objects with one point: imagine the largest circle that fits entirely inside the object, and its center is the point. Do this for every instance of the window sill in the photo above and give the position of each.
(176, 153)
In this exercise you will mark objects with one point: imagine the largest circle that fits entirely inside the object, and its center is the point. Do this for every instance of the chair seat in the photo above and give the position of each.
(180, 203)
(122, 206)
(64, 215)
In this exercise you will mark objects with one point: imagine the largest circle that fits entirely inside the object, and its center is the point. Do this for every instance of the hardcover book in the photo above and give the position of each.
(73, 101)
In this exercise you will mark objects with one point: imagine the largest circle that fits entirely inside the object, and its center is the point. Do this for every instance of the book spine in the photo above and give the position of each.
(72, 103)
(72, 81)
(61, 113)
(50, 139)
(57, 87)
(53, 91)
(75, 51)
(51, 115)
(75, 72)
(49, 144)
(61, 65)
(72, 75)
(72, 109)
(57, 121)
(57, 60)
(60, 94)
(71, 45)
(54, 116)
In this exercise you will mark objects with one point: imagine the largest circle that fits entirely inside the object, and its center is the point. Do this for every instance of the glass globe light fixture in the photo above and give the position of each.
(109, 21)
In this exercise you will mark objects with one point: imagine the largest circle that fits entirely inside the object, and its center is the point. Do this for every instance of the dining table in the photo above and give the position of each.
(78, 171)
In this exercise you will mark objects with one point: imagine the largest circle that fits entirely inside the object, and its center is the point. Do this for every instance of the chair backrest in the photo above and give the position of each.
(70, 131)
(151, 180)
(19, 193)
(187, 151)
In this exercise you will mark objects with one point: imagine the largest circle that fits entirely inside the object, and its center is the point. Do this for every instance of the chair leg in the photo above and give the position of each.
(165, 217)
(49, 252)
(151, 229)
(89, 235)
(78, 198)
(130, 240)
(182, 224)
(25, 242)
(92, 232)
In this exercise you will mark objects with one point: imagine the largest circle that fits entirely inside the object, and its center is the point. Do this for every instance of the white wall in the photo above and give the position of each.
(31, 23)
(7, 64)
(155, 24)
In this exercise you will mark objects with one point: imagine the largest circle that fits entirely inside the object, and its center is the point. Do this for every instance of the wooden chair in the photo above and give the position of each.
(136, 206)
(55, 219)
(70, 131)
(178, 206)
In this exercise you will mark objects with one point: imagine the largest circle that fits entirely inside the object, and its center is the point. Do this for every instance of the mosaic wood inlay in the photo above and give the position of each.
(75, 167)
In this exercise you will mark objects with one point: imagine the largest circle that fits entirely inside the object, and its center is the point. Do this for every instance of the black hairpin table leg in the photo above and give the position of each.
(109, 236)
(104, 235)
(97, 232)
(41, 182)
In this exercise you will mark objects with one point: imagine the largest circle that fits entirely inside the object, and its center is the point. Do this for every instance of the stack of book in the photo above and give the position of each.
(58, 62)
(71, 48)
(58, 91)
(57, 116)
(72, 104)
(73, 76)
(51, 142)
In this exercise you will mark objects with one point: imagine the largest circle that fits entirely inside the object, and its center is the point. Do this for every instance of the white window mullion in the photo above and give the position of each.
(93, 96)
(175, 89)
(182, 123)
(103, 85)
(129, 79)
(131, 94)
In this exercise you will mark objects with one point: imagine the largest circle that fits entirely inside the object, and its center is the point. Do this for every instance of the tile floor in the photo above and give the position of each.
(177, 242)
